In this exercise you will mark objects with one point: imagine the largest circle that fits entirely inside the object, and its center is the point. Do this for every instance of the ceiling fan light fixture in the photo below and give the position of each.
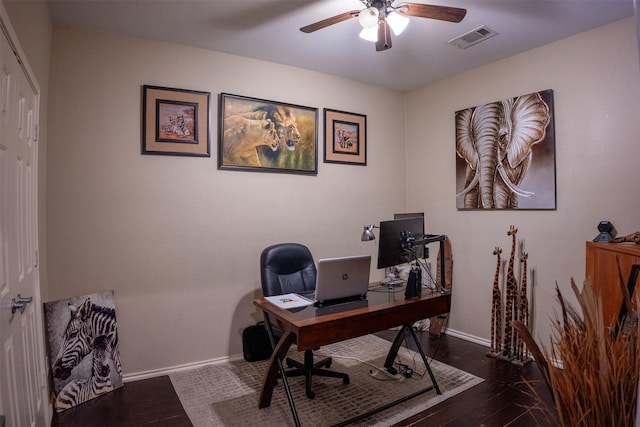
(368, 18)
(380, 18)
(369, 34)
(397, 21)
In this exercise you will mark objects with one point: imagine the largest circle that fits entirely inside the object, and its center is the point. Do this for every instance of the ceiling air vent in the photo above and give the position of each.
(473, 37)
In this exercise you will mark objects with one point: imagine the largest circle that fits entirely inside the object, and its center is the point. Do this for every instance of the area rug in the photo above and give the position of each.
(227, 394)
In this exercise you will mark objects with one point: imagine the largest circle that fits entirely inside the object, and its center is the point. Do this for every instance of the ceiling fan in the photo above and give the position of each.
(379, 17)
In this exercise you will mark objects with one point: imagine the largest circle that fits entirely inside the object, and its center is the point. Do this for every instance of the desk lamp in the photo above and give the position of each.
(367, 234)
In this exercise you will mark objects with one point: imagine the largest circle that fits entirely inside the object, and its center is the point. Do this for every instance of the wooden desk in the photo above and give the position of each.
(311, 328)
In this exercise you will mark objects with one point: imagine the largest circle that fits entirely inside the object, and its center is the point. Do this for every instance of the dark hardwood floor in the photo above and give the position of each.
(503, 399)
(151, 402)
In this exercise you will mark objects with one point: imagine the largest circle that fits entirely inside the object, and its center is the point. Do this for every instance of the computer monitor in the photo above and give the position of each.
(420, 250)
(392, 236)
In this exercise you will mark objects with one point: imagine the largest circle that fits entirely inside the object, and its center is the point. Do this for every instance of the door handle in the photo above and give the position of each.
(20, 303)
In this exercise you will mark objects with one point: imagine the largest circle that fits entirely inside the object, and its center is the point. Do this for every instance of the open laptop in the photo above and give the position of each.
(341, 279)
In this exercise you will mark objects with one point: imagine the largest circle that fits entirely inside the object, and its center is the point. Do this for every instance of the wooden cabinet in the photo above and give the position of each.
(602, 267)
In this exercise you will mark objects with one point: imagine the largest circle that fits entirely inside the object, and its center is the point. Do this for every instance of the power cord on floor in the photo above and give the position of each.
(376, 372)
(411, 371)
(399, 371)
(386, 374)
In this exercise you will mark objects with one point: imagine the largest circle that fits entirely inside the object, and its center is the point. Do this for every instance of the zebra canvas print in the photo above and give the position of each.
(84, 356)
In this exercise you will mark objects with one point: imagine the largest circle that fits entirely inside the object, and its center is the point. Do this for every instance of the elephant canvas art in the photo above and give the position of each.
(506, 154)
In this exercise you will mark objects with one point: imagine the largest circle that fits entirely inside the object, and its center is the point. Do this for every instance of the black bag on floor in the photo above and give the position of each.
(255, 343)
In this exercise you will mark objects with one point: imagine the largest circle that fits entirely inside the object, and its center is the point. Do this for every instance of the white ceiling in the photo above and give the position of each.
(269, 30)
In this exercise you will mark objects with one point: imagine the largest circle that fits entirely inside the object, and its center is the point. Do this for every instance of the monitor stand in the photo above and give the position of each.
(393, 283)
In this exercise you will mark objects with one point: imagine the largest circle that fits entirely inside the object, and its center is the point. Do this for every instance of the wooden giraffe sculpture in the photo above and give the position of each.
(510, 302)
(496, 308)
(523, 305)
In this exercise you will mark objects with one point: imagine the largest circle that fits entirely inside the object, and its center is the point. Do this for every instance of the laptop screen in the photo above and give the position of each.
(342, 278)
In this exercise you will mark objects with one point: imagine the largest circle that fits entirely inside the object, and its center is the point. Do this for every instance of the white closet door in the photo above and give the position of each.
(22, 359)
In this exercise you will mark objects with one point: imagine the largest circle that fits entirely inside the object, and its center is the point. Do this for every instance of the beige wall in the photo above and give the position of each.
(178, 240)
(596, 82)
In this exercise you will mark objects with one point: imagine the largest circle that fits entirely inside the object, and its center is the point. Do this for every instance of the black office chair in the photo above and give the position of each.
(289, 268)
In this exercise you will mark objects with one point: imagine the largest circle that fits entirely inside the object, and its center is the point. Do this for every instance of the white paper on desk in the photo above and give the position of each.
(289, 301)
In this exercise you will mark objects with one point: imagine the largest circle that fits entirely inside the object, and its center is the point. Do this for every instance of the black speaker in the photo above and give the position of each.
(607, 232)
(414, 283)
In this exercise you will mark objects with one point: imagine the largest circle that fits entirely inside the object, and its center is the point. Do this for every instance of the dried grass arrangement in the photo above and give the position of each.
(597, 384)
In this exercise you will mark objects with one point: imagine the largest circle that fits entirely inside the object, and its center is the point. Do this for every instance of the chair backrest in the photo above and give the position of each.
(287, 268)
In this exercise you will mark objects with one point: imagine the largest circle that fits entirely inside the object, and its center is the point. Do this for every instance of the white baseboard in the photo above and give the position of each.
(179, 368)
(187, 366)
(467, 337)
(555, 362)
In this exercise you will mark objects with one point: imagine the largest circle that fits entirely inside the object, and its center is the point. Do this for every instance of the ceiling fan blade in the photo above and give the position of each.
(442, 13)
(384, 36)
(329, 21)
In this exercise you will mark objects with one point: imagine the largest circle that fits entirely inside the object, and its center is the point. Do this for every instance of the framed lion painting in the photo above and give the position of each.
(506, 154)
(267, 136)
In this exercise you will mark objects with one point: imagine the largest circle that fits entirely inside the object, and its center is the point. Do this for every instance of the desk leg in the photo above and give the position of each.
(275, 365)
(424, 359)
(391, 356)
(395, 346)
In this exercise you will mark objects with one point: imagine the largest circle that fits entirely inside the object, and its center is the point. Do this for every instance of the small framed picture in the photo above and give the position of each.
(175, 122)
(345, 137)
